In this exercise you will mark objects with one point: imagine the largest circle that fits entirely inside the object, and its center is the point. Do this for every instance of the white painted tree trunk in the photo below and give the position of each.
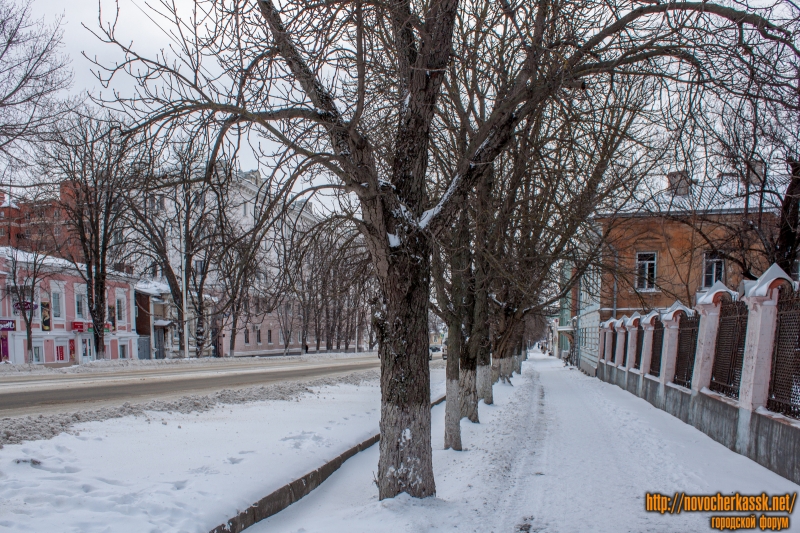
(484, 384)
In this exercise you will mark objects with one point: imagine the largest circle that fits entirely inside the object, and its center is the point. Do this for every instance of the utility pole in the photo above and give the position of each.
(184, 270)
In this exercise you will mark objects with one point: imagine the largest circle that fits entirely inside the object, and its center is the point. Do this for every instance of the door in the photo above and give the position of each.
(86, 350)
(38, 353)
(159, 342)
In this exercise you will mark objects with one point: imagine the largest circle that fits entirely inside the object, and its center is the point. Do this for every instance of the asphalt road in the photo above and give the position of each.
(26, 394)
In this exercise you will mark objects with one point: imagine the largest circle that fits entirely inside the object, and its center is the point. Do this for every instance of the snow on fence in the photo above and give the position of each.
(730, 366)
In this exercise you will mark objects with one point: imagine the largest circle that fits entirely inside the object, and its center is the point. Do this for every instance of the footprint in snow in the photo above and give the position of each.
(235, 460)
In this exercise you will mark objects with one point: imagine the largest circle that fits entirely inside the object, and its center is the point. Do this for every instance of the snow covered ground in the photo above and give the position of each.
(181, 471)
(558, 452)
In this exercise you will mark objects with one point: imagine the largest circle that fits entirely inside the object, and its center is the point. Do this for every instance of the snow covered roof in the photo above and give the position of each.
(768, 280)
(723, 194)
(675, 308)
(716, 289)
(152, 287)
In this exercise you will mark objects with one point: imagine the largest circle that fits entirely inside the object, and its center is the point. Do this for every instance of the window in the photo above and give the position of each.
(57, 230)
(80, 305)
(123, 351)
(299, 338)
(246, 336)
(56, 213)
(2, 232)
(55, 304)
(244, 209)
(199, 265)
(269, 336)
(120, 309)
(714, 269)
(280, 335)
(258, 334)
(646, 270)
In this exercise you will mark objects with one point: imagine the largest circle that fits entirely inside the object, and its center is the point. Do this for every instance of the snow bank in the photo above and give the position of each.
(28, 428)
(190, 469)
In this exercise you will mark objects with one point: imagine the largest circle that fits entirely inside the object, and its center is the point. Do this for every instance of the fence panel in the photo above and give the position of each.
(625, 349)
(726, 374)
(658, 346)
(637, 363)
(687, 347)
(613, 355)
(784, 385)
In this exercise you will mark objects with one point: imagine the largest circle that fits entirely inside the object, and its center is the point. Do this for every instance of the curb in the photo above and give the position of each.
(294, 491)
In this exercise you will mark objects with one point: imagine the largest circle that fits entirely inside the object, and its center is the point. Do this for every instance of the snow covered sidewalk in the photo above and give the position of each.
(181, 472)
(558, 452)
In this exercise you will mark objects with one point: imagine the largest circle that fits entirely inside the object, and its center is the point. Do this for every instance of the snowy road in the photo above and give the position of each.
(31, 393)
(558, 452)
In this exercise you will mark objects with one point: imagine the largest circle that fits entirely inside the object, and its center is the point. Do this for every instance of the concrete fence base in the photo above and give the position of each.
(769, 439)
(294, 491)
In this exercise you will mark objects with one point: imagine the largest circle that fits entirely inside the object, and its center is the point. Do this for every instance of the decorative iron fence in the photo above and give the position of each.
(784, 384)
(658, 346)
(625, 350)
(688, 327)
(613, 355)
(726, 374)
(637, 363)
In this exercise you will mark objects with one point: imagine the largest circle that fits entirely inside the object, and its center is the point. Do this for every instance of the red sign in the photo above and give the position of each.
(8, 325)
(78, 326)
(59, 353)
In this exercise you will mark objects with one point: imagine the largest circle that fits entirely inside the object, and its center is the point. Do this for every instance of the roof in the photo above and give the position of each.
(152, 287)
(725, 194)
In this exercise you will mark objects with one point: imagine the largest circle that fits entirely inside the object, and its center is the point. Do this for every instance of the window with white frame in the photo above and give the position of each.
(280, 335)
(646, 270)
(258, 334)
(121, 306)
(81, 305)
(246, 336)
(269, 336)
(714, 269)
(55, 304)
(123, 351)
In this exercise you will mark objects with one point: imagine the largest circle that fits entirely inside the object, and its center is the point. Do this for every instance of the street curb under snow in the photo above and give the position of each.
(294, 491)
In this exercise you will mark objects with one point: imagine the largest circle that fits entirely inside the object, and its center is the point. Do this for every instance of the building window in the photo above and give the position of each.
(57, 230)
(299, 338)
(123, 351)
(280, 334)
(55, 303)
(80, 306)
(714, 268)
(246, 336)
(646, 270)
(199, 266)
(258, 334)
(120, 309)
(269, 336)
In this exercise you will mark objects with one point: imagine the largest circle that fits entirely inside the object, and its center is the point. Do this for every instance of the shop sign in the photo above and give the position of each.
(8, 325)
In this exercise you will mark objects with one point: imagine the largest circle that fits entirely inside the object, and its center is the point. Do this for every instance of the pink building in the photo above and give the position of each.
(62, 326)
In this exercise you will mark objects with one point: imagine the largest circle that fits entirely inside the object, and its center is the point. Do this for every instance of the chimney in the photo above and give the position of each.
(679, 182)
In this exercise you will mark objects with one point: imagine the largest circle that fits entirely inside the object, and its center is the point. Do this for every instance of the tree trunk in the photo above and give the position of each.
(452, 409)
(232, 342)
(483, 379)
(406, 462)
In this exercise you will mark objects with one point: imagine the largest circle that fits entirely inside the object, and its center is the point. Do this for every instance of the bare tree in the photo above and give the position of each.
(32, 73)
(94, 165)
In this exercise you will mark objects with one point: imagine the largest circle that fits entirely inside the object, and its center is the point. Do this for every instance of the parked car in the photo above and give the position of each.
(433, 349)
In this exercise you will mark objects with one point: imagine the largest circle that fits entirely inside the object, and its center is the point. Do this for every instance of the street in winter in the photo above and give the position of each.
(501, 266)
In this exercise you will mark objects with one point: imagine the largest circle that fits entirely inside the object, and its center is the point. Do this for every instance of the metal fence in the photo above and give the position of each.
(726, 374)
(658, 346)
(613, 354)
(637, 362)
(625, 350)
(784, 385)
(687, 347)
